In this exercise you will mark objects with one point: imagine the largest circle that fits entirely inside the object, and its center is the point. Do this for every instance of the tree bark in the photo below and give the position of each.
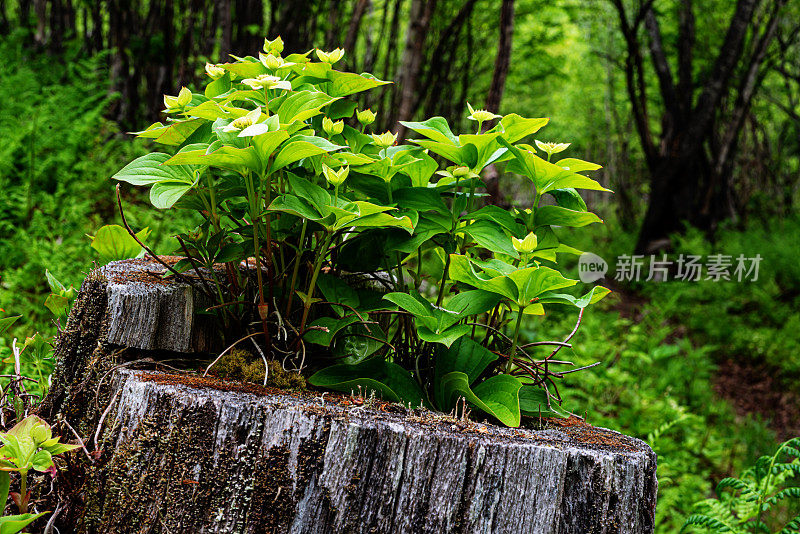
(503, 60)
(180, 453)
(690, 165)
(420, 19)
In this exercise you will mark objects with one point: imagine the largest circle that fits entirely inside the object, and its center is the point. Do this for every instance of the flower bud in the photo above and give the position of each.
(274, 47)
(330, 57)
(335, 178)
(460, 172)
(365, 117)
(384, 140)
(41, 433)
(184, 97)
(332, 128)
(214, 71)
(527, 245)
(170, 102)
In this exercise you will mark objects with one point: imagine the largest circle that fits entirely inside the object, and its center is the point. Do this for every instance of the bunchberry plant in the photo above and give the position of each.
(371, 263)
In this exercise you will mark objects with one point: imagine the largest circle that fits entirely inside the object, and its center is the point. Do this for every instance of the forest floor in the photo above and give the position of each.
(751, 387)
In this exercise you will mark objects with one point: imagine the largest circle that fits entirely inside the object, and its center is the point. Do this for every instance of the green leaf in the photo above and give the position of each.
(52, 281)
(597, 293)
(249, 67)
(226, 157)
(569, 198)
(332, 324)
(173, 134)
(514, 127)
(11, 524)
(314, 194)
(499, 216)
(113, 242)
(6, 322)
(57, 304)
(219, 86)
(558, 216)
(547, 176)
(341, 109)
(533, 402)
(266, 143)
(302, 105)
(5, 484)
(415, 305)
(473, 302)
(295, 206)
(490, 236)
(577, 165)
(354, 343)
(435, 128)
(348, 83)
(464, 356)
(164, 195)
(387, 379)
(498, 396)
(334, 289)
(150, 169)
(294, 151)
(445, 336)
(42, 460)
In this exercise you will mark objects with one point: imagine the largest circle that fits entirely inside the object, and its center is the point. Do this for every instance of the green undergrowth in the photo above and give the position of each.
(756, 320)
(657, 386)
(56, 157)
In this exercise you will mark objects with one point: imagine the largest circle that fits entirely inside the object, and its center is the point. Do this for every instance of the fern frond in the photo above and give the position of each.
(792, 527)
(706, 522)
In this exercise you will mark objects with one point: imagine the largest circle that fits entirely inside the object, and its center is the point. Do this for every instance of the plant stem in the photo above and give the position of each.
(444, 279)
(514, 341)
(298, 259)
(23, 492)
(313, 284)
(257, 251)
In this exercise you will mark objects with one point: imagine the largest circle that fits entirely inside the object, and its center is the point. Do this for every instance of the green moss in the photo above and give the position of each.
(241, 365)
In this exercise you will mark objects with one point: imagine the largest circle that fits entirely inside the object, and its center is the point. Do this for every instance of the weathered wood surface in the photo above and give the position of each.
(176, 455)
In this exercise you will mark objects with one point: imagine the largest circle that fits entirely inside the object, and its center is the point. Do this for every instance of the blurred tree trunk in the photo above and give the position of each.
(4, 26)
(691, 162)
(503, 59)
(501, 64)
(419, 21)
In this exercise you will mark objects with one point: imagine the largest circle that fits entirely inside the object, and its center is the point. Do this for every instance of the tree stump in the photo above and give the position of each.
(182, 453)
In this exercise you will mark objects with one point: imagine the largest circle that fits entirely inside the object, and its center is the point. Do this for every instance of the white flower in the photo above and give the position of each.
(480, 115)
(551, 148)
(384, 140)
(248, 125)
(265, 81)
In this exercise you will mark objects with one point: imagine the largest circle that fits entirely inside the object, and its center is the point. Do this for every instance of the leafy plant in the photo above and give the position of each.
(744, 504)
(382, 255)
(28, 445)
